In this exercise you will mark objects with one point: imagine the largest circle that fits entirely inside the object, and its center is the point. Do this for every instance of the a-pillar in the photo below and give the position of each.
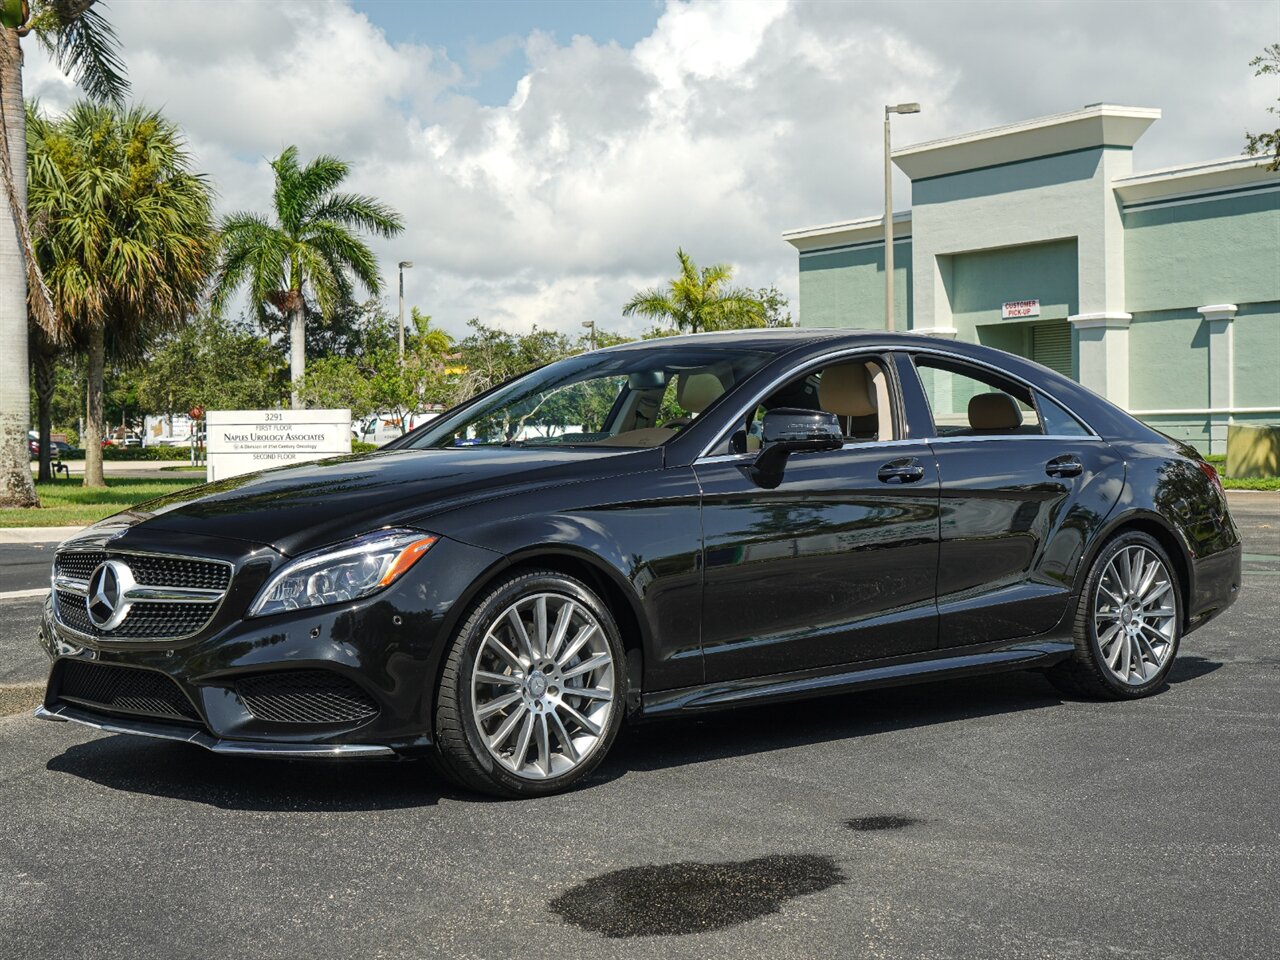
(1103, 357)
(1218, 317)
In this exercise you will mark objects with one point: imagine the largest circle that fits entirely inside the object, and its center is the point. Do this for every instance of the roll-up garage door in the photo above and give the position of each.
(1051, 345)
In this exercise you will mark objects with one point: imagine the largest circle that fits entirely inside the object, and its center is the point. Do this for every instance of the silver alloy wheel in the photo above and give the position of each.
(1135, 615)
(543, 686)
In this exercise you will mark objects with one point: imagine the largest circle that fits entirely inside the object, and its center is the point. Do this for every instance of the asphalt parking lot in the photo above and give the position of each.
(982, 818)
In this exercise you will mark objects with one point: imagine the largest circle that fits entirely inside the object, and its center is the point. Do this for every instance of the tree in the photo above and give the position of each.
(375, 382)
(699, 299)
(84, 45)
(1266, 64)
(123, 230)
(215, 364)
(777, 309)
(489, 356)
(312, 242)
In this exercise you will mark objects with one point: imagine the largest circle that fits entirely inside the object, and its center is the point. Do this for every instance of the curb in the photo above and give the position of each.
(20, 697)
(11, 535)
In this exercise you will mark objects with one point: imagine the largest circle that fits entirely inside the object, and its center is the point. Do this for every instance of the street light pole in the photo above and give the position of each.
(591, 325)
(404, 265)
(888, 211)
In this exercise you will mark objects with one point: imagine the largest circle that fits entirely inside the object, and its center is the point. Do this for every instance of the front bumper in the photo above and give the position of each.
(389, 646)
(162, 731)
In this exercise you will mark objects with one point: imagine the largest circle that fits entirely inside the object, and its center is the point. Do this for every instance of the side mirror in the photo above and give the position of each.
(789, 430)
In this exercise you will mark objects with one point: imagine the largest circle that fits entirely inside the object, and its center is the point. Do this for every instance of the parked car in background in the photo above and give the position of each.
(60, 447)
(656, 529)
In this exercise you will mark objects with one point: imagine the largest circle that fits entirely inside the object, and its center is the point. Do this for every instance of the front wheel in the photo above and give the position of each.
(532, 692)
(1128, 624)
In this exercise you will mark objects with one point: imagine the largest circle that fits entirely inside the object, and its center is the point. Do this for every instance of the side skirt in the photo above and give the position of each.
(828, 681)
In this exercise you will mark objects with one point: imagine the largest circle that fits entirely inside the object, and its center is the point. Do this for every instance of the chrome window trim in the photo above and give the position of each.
(855, 445)
(1061, 437)
(910, 350)
(141, 593)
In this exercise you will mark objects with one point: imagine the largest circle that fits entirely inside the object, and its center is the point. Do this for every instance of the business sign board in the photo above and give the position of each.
(245, 441)
(1017, 309)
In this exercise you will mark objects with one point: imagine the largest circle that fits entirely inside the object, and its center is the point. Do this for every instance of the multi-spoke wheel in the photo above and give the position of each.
(531, 693)
(1128, 623)
(1134, 615)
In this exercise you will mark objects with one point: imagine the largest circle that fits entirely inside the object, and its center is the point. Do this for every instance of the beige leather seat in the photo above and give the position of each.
(697, 391)
(859, 394)
(994, 413)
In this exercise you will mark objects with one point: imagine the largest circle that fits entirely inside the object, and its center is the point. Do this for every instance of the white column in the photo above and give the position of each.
(1218, 316)
(1103, 341)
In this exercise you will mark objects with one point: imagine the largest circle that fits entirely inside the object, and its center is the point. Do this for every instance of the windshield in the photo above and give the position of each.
(624, 397)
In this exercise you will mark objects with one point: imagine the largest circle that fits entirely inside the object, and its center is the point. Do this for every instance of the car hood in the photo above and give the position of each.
(299, 508)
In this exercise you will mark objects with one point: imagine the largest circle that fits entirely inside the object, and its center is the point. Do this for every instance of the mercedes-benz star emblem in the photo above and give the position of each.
(107, 601)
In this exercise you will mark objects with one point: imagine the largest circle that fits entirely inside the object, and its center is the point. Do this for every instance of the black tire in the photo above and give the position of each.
(1085, 673)
(461, 754)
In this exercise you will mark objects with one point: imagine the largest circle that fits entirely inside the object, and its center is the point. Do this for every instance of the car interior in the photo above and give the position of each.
(856, 391)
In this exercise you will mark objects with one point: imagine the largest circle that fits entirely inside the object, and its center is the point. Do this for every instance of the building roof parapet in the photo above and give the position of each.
(1190, 179)
(1093, 127)
(847, 233)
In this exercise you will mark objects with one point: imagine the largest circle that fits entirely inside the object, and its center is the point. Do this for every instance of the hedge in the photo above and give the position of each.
(136, 453)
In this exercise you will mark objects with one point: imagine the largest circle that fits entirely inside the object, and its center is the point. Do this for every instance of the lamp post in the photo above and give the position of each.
(888, 211)
(591, 325)
(404, 265)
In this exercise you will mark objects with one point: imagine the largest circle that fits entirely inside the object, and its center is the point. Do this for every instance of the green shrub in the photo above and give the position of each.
(359, 446)
(137, 453)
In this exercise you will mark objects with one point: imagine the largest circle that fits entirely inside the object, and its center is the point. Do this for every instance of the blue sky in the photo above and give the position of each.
(485, 37)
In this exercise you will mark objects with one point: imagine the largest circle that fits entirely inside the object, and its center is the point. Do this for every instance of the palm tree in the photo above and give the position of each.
(699, 300)
(84, 45)
(123, 231)
(311, 243)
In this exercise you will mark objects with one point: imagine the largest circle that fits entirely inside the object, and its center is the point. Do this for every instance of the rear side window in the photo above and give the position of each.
(1057, 421)
(971, 401)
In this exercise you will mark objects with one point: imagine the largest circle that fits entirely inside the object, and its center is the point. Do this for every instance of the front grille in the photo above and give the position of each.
(78, 564)
(147, 619)
(115, 689)
(305, 696)
(150, 571)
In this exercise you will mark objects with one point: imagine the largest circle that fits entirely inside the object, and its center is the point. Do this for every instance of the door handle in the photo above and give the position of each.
(901, 471)
(1064, 466)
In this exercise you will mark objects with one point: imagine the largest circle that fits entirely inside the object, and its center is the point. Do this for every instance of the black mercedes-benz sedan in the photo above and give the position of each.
(655, 529)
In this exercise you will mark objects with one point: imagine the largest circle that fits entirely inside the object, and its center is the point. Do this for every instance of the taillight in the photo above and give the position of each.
(1207, 469)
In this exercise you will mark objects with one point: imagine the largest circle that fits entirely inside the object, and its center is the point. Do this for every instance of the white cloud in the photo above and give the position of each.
(728, 124)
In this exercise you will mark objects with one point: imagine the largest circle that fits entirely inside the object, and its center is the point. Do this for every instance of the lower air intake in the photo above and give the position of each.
(106, 687)
(305, 696)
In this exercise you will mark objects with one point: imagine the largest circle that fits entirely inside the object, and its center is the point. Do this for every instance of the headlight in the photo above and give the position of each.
(343, 572)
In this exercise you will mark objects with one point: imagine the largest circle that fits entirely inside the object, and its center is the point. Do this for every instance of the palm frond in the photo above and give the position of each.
(342, 247)
(362, 212)
(85, 47)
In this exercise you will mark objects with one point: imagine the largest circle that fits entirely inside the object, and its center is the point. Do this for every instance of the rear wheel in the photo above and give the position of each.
(1128, 624)
(532, 692)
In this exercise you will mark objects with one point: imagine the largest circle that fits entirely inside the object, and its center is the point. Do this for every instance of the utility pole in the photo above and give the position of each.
(888, 211)
(404, 265)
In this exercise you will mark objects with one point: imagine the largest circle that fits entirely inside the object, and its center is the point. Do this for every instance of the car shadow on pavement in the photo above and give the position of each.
(1191, 668)
(184, 772)
(753, 730)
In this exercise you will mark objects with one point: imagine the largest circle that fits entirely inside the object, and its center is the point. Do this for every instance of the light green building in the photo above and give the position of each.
(1159, 290)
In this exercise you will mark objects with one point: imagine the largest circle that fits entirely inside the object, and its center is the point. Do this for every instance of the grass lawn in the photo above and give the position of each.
(1241, 483)
(65, 503)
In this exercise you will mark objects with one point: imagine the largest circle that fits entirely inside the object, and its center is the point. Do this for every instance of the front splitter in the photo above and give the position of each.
(239, 748)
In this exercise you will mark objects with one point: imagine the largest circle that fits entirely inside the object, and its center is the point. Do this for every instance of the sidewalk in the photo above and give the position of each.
(36, 534)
